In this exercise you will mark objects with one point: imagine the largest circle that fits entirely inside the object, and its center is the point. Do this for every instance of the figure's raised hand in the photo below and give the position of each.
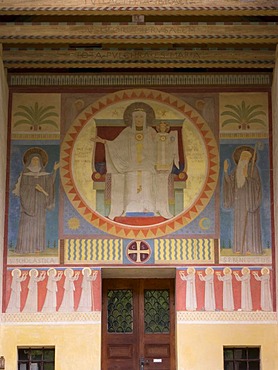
(226, 165)
(56, 166)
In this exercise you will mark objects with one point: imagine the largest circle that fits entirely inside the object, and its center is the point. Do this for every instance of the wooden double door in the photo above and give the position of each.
(138, 324)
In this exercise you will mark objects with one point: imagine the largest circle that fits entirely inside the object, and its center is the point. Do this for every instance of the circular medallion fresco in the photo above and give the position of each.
(138, 251)
(86, 187)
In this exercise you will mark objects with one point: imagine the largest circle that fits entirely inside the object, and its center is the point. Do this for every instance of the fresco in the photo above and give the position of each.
(199, 288)
(139, 177)
(224, 288)
(245, 181)
(120, 196)
(53, 290)
(34, 178)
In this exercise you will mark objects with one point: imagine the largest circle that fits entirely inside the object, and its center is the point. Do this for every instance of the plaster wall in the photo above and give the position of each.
(76, 346)
(200, 347)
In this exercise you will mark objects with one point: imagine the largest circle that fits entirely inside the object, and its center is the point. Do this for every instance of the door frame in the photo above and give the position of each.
(154, 275)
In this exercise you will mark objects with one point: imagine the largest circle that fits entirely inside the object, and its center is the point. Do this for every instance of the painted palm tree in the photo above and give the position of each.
(243, 115)
(36, 116)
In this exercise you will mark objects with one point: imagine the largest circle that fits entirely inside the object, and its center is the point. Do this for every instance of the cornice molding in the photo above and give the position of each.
(141, 79)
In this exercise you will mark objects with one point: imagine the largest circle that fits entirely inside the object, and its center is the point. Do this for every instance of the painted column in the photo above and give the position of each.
(275, 155)
(3, 156)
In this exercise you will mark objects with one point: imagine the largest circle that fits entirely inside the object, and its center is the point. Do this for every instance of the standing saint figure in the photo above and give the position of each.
(190, 297)
(246, 298)
(130, 161)
(266, 301)
(35, 187)
(228, 295)
(67, 304)
(209, 288)
(86, 302)
(167, 154)
(31, 304)
(242, 191)
(50, 302)
(14, 302)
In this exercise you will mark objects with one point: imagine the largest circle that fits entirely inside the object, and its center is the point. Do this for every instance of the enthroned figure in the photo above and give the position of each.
(137, 160)
(130, 159)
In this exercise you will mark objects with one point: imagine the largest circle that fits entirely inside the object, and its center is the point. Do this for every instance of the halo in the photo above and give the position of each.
(227, 270)
(79, 104)
(265, 269)
(85, 269)
(150, 115)
(191, 269)
(244, 148)
(69, 270)
(209, 269)
(53, 270)
(16, 270)
(37, 272)
(35, 150)
(245, 269)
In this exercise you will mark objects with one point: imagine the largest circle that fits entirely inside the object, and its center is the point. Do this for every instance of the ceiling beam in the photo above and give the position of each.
(140, 34)
(139, 58)
(157, 7)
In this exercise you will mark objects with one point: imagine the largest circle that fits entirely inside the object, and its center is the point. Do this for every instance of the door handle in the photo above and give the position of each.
(143, 362)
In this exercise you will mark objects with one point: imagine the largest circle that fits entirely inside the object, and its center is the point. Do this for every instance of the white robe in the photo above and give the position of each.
(191, 299)
(266, 301)
(67, 304)
(209, 292)
(228, 297)
(131, 163)
(86, 302)
(14, 302)
(50, 302)
(246, 298)
(31, 304)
